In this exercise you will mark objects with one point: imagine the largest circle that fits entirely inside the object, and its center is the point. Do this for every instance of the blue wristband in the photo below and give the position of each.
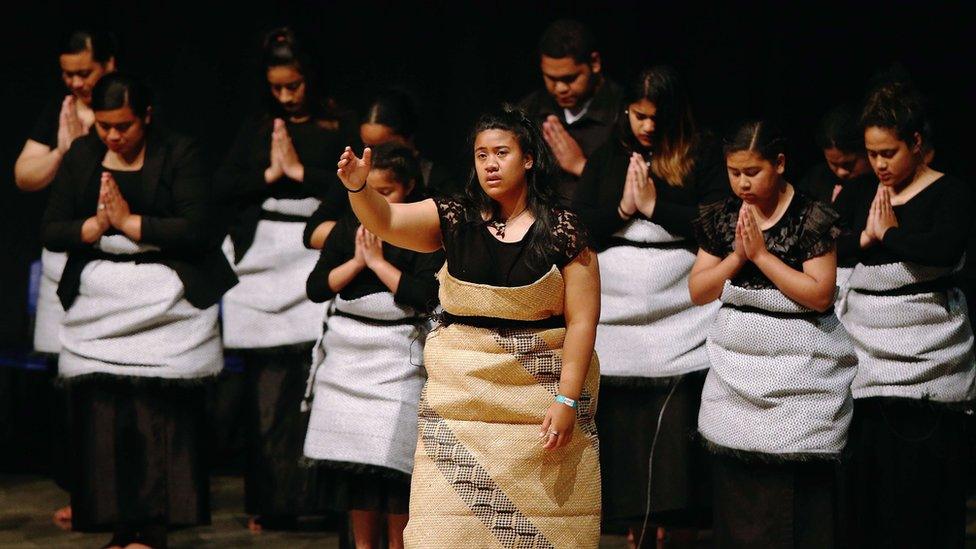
(567, 401)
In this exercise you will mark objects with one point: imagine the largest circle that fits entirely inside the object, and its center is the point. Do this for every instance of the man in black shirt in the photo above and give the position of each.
(578, 107)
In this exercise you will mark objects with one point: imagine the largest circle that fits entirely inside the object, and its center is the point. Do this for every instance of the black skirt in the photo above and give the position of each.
(772, 505)
(627, 421)
(905, 482)
(361, 487)
(138, 451)
(275, 482)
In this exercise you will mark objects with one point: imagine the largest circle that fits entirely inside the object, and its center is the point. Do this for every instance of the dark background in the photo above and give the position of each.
(790, 62)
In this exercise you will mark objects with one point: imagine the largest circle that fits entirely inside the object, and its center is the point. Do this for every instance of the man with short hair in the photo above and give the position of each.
(579, 106)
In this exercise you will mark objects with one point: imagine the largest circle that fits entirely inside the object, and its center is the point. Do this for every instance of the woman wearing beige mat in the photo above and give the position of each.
(511, 370)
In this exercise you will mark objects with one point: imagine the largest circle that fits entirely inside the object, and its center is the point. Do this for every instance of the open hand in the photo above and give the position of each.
(566, 150)
(883, 213)
(353, 170)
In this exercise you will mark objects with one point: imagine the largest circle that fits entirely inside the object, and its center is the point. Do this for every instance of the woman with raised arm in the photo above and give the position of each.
(776, 404)
(367, 369)
(512, 375)
(916, 379)
(638, 197)
(131, 205)
(278, 172)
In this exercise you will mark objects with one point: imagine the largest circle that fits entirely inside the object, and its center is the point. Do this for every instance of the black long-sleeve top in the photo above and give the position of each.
(602, 185)
(240, 179)
(418, 282)
(932, 230)
(174, 199)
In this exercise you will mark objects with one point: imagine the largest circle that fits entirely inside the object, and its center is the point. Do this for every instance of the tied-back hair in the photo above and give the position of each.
(840, 129)
(117, 90)
(897, 106)
(675, 133)
(401, 161)
(762, 137)
(102, 44)
(540, 195)
(282, 49)
(395, 109)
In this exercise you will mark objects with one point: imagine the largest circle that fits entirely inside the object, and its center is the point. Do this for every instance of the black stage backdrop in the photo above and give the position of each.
(790, 62)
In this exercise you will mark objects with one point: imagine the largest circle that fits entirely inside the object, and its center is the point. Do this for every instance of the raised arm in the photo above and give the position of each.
(36, 166)
(414, 226)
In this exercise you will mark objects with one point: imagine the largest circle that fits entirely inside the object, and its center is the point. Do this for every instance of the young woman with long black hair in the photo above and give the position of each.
(507, 452)
(638, 196)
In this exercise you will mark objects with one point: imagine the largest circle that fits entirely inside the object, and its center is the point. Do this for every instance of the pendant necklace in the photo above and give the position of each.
(499, 226)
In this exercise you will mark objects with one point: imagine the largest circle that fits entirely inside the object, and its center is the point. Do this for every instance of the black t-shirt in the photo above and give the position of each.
(475, 255)
(806, 230)
(45, 130)
(932, 227)
(418, 282)
(600, 189)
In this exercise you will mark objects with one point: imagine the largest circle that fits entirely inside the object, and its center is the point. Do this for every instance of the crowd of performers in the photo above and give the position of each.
(785, 365)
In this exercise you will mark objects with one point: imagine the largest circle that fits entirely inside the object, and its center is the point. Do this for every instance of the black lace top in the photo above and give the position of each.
(475, 255)
(806, 230)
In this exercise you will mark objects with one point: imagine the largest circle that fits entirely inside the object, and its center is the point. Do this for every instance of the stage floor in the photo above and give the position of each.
(27, 503)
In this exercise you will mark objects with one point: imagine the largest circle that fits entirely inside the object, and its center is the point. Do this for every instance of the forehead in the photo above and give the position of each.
(383, 179)
(490, 139)
(837, 156)
(81, 61)
(881, 138)
(561, 66)
(115, 116)
(745, 159)
(375, 133)
(283, 75)
(644, 106)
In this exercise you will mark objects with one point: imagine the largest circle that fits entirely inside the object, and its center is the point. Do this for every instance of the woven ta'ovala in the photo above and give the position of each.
(481, 478)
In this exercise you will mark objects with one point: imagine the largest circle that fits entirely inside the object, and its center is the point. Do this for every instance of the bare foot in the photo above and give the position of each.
(254, 525)
(62, 518)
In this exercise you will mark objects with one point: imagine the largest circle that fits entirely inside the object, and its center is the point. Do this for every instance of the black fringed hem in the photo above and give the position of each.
(751, 456)
(356, 468)
(135, 380)
(638, 382)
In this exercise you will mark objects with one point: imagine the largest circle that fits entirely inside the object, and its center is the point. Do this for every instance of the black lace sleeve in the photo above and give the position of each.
(569, 235)
(715, 227)
(820, 231)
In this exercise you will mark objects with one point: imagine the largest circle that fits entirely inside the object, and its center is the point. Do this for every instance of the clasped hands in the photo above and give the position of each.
(284, 159)
(70, 126)
(369, 249)
(639, 194)
(112, 211)
(750, 244)
(881, 217)
(566, 150)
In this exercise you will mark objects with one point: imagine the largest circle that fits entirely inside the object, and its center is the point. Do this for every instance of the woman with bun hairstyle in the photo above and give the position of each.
(916, 378)
(131, 206)
(276, 175)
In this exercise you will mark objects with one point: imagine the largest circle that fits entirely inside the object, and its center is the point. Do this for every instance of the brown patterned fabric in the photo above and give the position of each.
(481, 477)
